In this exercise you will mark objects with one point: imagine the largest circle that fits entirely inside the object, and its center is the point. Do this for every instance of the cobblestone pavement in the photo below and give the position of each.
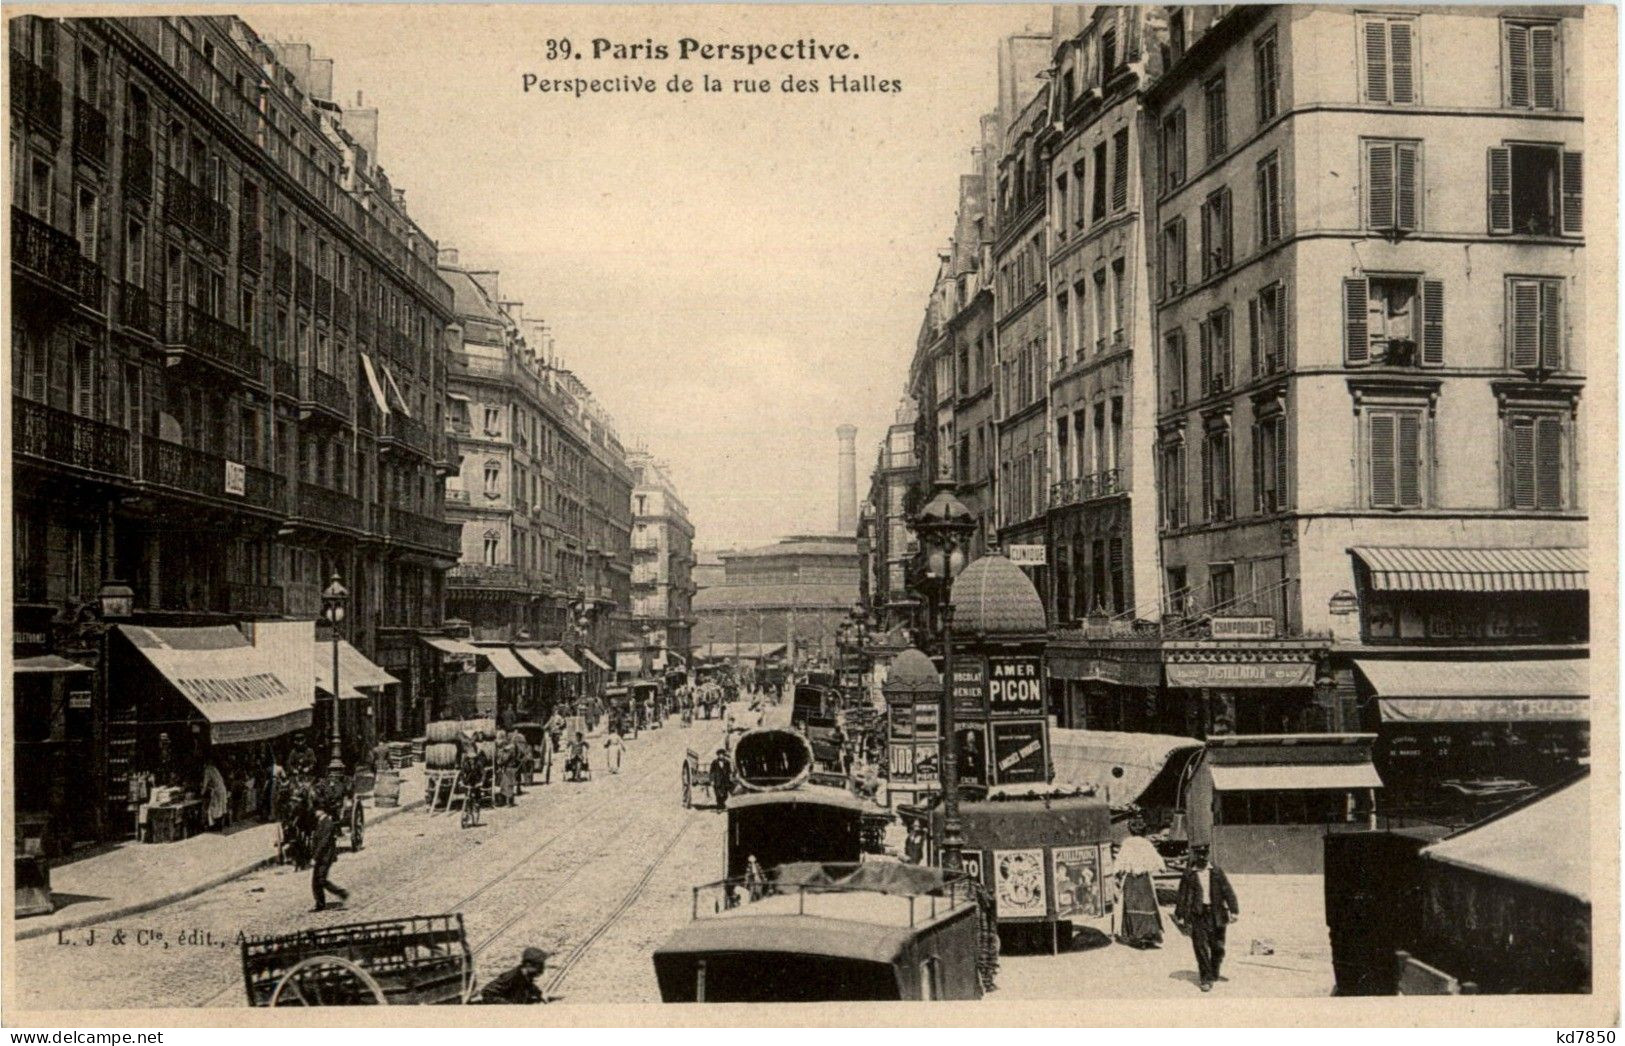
(596, 872)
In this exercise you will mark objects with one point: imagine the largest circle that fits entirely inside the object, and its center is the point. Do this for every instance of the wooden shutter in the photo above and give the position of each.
(1379, 169)
(1223, 352)
(1405, 187)
(1205, 332)
(1279, 354)
(1551, 326)
(1383, 479)
(1356, 323)
(1253, 334)
(1432, 323)
(1500, 183)
(1209, 237)
(1524, 320)
(1409, 454)
(1258, 466)
(1376, 61)
(1548, 463)
(1207, 477)
(1225, 242)
(1572, 204)
(1517, 66)
(1543, 66)
(1280, 463)
(1400, 56)
(1119, 175)
(1523, 463)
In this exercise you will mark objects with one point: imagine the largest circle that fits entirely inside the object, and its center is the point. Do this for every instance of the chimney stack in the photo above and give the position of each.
(847, 522)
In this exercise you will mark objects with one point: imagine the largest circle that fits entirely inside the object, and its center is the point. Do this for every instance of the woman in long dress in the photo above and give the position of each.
(1141, 921)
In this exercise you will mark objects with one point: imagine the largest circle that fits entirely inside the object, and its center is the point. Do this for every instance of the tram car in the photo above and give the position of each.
(778, 816)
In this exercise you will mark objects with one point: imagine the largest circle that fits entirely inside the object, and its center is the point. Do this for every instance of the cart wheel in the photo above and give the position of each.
(327, 980)
(688, 789)
(358, 826)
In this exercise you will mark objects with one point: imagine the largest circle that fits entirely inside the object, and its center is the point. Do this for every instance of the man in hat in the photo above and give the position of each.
(324, 851)
(518, 985)
(721, 778)
(1206, 905)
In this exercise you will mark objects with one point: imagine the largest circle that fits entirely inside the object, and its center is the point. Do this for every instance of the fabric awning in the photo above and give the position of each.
(372, 381)
(502, 659)
(457, 397)
(452, 646)
(1552, 690)
(1295, 777)
(1530, 843)
(47, 663)
(400, 400)
(1475, 569)
(587, 653)
(234, 685)
(566, 663)
(355, 670)
(535, 657)
(1115, 763)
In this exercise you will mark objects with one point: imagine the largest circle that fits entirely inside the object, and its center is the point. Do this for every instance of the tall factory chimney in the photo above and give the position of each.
(848, 494)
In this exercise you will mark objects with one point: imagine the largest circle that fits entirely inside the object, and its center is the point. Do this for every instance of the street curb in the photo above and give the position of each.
(137, 907)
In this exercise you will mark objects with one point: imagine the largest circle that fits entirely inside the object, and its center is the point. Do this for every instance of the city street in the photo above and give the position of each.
(596, 872)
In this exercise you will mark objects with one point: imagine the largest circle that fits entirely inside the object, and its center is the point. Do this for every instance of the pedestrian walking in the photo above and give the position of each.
(1206, 905)
(614, 748)
(324, 851)
(721, 778)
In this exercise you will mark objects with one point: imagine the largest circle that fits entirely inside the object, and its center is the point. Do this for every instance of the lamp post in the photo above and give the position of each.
(334, 598)
(944, 526)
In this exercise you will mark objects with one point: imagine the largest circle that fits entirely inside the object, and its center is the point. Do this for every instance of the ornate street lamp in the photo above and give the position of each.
(334, 598)
(944, 527)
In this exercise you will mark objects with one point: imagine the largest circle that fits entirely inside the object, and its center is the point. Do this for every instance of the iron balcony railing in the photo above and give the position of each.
(408, 432)
(139, 311)
(36, 93)
(89, 133)
(419, 530)
(190, 328)
(250, 244)
(189, 205)
(487, 575)
(245, 598)
(1085, 488)
(286, 375)
(137, 168)
(282, 269)
(53, 256)
(302, 289)
(343, 307)
(64, 438)
(189, 470)
(324, 296)
(322, 505)
(329, 393)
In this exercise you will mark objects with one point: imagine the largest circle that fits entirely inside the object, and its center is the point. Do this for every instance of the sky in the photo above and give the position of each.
(733, 275)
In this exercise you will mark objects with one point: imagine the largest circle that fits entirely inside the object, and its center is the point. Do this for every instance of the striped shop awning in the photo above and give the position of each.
(1474, 569)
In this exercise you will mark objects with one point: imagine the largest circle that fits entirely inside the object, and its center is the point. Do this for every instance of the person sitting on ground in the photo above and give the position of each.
(518, 985)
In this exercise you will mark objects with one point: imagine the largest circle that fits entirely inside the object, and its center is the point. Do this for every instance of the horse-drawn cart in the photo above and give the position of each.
(419, 960)
(696, 778)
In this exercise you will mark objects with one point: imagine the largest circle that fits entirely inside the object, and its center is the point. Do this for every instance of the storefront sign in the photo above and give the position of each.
(1242, 674)
(78, 698)
(1027, 555)
(1018, 884)
(1015, 686)
(970, 686)
(236, 478)
(1241, 627)
(629, 661)
(1075, 870)
(1083, 668)
(1484, 710)
(1018, 753)
(970, 862)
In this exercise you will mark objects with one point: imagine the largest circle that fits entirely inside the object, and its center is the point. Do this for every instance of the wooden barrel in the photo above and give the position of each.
(444, 731)
(441, 756)
(386, 791)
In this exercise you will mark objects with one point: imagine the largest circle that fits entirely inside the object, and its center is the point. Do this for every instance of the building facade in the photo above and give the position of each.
(228, 375)
(662, 561)
(890, 543)
(796, 591)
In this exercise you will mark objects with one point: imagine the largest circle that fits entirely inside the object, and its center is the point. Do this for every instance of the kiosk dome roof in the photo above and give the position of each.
(993, 599)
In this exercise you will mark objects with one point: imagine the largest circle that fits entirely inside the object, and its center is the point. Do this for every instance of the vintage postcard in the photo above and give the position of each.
(934, 515)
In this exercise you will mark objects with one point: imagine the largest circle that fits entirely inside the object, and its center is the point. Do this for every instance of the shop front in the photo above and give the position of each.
(513, 682)
(54, 745)
(1106, 684)
(455, 688)
(1217, 687)
(367, 700)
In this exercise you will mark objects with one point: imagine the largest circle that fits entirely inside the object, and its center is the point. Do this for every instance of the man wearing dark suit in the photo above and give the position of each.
(324, 851)
(1206, 905)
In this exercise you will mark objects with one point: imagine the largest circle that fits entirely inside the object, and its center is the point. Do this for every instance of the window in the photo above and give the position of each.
(1108, 54)
(1119, 295)
(1101, 449)
(1534, 453)
(493, 544)
(1216, 474)
(1535, 190)
(1173, 150)
(1269, 200)
(1173, 366)
(1173, 485)
(1393, 320)
(1101, 305)
(135, 254)
(1080, 309)
(1394, 440)
(1269, 464)
(1530, 63)
(1534, 324)
(1117, 433)
(1392, 185)
(1176, 32)
(1221, 584)
(89, 76)
(1389, 46)
(1267, 314)
(1216, 240)
(1060, 211)
(1063, 328)
(1216, 352)
(1098, 207)
(1176, 591)
(1114, 564)
(1218, 136)
(493, 479)
(86, 212)
(1173, 257)
(1120, 160)
(493, 421)
(1267, 77)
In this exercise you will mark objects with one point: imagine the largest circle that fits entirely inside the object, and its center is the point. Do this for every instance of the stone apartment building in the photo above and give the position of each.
(662, 562)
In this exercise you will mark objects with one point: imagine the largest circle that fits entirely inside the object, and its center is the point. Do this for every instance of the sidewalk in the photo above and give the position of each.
(138, 877)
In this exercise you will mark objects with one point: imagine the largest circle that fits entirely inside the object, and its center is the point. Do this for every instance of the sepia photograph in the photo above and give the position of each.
(1078, 512)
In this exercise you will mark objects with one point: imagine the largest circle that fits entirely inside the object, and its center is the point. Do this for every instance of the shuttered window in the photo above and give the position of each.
(1534, 453)
(1389, 46)
(1267, 325)
(1269, 464)
(1173, 150)
(1395, 467)
(1529, 59)
(1534, 324)
(1269, 200)
(1216, 238)
(1396, 321)
(1217, 357)
(1173, 257)
(1173, 366)
(1535, 190)
(1216, 504)
(1393, 185)
(1267, 77)
(1217, 128)
(1120, 157)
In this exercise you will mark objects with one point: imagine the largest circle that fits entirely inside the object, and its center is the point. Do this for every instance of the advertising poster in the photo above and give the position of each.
(970, 862)
(926, 758)
(1015, 686)
(1075, 871)
(902, 721)
(902, 762)
(1018, 753)
(927, 721)
(970, 685)
(972, 755)
(1018, 884)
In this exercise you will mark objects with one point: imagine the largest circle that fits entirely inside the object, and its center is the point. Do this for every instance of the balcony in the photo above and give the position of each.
(303, 286)
(343, 307)
(328, 393)
(324, 296)
(321, 505)
(137, 168)
(413, 529)
(188, 205)
(286, 375)
(363, 322)
(89, 133)
(402, 431)
(52, 256)
(302, 599)
(257, 600)
(250, 244)
(457, 497)
(189, 328)
(282, 270)
(37, 94)
(187, 470)
(139, 311)
(64, 438)
(487, 575)
(1085, 488)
